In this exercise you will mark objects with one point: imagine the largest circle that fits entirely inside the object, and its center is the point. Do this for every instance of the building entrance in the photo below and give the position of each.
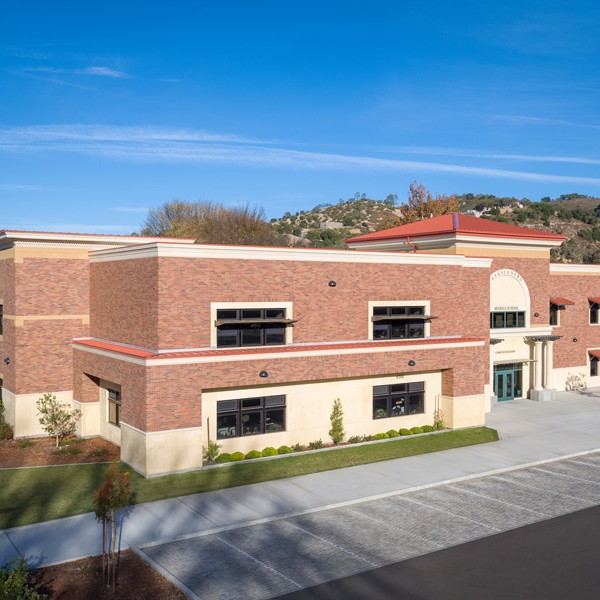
(508, 381)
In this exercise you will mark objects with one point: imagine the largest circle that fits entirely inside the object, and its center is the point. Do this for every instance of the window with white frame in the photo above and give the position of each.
(114, 406)
(250, 416)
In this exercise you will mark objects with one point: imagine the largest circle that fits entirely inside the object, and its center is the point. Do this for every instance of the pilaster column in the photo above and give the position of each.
(548, 366)
(537, 384)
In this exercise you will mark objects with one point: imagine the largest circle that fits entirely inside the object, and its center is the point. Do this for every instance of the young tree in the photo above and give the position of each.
(337, 433)
(57, 418)
(114, 494)
(422, 205)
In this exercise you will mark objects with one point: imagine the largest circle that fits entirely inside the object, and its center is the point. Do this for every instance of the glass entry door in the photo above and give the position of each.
(508, 382)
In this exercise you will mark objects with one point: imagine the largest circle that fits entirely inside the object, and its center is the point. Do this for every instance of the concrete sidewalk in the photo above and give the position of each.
(530, 433)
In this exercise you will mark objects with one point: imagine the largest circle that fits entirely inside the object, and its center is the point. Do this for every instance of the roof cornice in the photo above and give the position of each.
(199, 251)
(9, 236)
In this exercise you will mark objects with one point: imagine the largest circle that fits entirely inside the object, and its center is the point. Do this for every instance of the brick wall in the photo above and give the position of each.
(575, 320)
(125, 306)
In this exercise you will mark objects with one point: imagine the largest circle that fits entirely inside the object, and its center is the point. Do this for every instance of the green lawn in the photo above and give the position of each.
(33, 495)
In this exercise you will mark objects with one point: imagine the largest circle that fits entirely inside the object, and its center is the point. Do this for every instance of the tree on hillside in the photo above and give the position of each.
(212, 223)
(422, 205)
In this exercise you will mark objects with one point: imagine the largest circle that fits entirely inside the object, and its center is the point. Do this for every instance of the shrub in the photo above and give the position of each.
(253, 454)
(6, 431)
(405, 431)
(368, 438)
(284, 450)
(224, 457)
(438, 419)
(356, 439)
(428, 428)
(415, 430)
(316, 445)
(210, 453)
(298, 448)
(392, 433)
(337, 433)
(380, 436)
(269, 451)
(236, 456)
(15, 582)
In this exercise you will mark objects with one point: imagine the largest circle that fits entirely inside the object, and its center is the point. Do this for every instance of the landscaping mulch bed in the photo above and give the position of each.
(36, 452)
(82, 580)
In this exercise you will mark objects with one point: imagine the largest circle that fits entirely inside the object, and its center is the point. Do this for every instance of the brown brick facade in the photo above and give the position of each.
(575, 319)
(126, 304)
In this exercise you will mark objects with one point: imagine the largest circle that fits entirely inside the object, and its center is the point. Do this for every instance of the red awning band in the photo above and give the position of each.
(561, 301)
(595, 353)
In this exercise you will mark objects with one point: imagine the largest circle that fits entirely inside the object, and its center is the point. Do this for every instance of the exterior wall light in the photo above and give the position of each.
(7, 361)
(536, 314)
(263, 374)
(574, 339)
(332, 283)
(411, 363)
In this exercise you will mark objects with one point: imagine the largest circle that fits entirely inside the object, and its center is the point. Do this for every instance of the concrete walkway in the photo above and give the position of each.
(530, 433)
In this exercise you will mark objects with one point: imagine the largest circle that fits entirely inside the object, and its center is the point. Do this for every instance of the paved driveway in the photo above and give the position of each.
(285, 555)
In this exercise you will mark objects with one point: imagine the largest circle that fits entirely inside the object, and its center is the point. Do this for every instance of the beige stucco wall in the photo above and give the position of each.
(161, 451)
(571, 377)
(308, 407)
(24, 413)
(463, 411)
(89, 423)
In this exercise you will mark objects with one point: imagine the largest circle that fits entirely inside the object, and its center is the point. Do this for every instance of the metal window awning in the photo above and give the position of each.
(595, 300)
(514, 361)
(254, 321)
(402, 318)
(561, 302)
(594, 353)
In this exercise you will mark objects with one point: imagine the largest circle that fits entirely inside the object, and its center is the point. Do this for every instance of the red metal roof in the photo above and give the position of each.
(561, 301)
(215, 353)
(453, 224)
(595, 353)
(595, 300)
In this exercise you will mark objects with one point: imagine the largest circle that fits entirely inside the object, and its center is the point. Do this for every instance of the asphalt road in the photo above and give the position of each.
(557, 559)
(290, 554)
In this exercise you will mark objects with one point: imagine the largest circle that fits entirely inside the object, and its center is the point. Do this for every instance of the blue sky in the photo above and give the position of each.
(109, 108)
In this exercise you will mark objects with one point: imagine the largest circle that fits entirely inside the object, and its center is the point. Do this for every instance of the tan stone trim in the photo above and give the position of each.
(20, 319)
(23, 252)
(7, 254)
(571, 269)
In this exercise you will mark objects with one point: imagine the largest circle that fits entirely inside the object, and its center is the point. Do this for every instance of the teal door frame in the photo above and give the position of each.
(507, 381)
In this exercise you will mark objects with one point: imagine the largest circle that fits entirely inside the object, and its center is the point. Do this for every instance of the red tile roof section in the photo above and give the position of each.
(211, 352)
(453, 224)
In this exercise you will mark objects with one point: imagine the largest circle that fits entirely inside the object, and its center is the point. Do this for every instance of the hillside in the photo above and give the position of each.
(573, 215)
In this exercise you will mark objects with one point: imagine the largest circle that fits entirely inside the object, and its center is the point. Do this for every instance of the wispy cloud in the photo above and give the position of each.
(98, 71)
(489, 155)
(19, 186)
(523, 119)
(131, 209)
(182, 146)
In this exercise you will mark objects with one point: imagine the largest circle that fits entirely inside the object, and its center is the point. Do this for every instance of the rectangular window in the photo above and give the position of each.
(507, 319)
(593, 313)
(250, 416)
(1, 319)
(593, 366)
(554, 314)
(237, 328)
(398, 322)
(398, 399)
(114, 407)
